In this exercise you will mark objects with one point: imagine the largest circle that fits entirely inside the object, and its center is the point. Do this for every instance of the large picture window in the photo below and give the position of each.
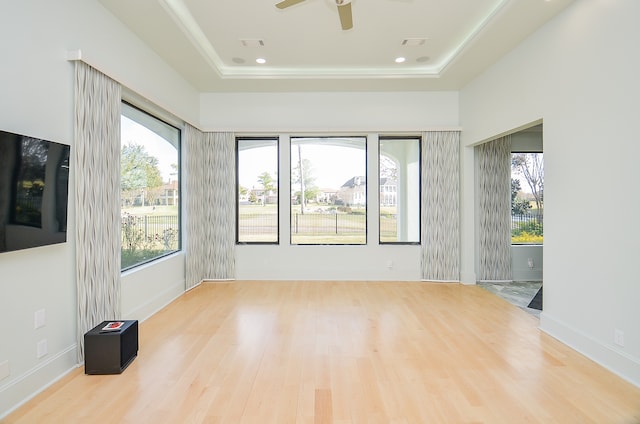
(328, 190)
(257, 190)
(149, 187)
(399, 183)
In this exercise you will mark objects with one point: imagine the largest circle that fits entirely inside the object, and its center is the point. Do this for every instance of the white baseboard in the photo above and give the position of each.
(440, 281)
(608, 356)
(495, 281)
(22, 388)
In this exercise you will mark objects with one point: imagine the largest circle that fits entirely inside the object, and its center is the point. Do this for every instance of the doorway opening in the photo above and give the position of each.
(524, 287)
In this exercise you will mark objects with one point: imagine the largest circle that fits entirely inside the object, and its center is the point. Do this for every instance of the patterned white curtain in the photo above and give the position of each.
(441, 206)
(211, 203)
(494, 198)
(97, 198)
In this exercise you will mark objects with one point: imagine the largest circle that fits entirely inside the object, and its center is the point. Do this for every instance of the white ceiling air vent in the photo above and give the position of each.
(413, 41)
(250, 42)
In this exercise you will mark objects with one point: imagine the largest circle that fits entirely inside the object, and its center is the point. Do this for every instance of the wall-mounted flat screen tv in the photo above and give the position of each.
(34, 192)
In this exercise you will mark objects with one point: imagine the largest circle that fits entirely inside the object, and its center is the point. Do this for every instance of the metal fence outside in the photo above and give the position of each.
(264, 227)
(320, 223)
(257, 227)
(527, 220)
(159, 229)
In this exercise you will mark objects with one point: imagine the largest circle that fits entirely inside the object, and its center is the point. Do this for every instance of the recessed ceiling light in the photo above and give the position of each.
(261, 60)
(423, 59)
(238, 60)
(400, 59)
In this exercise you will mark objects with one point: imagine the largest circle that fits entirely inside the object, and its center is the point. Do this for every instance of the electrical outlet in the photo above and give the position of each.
(618, 337)
(530, 263)
(41, 348)
(390, 264)
(4, 369)
(39, 319)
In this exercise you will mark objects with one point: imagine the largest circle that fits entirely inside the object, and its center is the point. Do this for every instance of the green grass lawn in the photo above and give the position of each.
(320, 224)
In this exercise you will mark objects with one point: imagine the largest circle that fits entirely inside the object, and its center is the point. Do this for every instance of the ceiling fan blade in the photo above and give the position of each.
(346, 19)
(286, 3)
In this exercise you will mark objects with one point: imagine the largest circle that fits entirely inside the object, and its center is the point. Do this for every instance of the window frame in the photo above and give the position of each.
(163, 120)
(418, 138)
(237, 194)
(366, 140)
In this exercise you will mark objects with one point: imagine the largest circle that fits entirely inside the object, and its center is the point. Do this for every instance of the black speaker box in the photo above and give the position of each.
(110, 352)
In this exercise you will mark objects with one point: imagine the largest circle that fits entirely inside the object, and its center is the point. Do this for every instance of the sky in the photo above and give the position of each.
(332, 165)
(156, 146)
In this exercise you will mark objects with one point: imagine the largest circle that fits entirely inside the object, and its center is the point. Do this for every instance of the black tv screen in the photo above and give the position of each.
(34, 192)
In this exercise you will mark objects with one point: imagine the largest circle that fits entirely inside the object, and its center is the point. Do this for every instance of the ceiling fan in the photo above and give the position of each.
(344, 10)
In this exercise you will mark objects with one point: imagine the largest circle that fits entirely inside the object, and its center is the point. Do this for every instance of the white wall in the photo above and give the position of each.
(329, 112)
(520, 257)
(150, 287)
(36, 98)
(579, 74)
(370, 114)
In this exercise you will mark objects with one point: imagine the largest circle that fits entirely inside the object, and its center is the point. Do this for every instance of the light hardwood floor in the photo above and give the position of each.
(342, 352)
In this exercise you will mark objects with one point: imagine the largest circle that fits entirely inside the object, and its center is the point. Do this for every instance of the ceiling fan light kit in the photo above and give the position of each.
(344, 11)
